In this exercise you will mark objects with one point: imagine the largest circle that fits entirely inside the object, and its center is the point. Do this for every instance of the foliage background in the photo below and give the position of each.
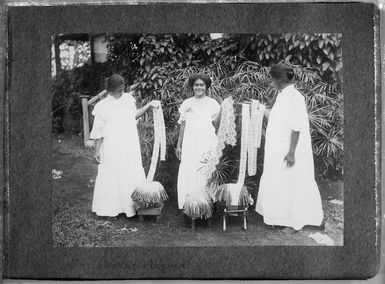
(157, 66)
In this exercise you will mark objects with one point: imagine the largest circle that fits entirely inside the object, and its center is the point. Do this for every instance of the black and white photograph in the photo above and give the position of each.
(191, 140)
(197, 139)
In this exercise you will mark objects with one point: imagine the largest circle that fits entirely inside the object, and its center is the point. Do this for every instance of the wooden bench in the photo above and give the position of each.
(150, 211)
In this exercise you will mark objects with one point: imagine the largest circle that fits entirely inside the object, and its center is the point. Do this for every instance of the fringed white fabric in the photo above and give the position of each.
(152, 192)
(198, 204)
(237, 194)
(252, 140)
(230, 193)
(254, 135)
(246, 150)
(234, 194)
(227, 135)
(245, 198)
(244, 142)
(159, 141)
(149, 194)
(261, 113)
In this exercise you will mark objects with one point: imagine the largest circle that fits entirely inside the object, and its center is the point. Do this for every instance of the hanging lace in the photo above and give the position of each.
(227, 135)
(159, 141)
(152, 192)
(252, 117)
(255, 134)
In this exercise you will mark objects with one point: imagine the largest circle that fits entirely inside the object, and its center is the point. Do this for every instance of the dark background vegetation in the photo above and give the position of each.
(157, 66)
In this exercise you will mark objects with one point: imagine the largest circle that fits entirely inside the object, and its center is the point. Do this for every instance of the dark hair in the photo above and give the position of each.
(113, 82)
(282, 72)
(204, 77)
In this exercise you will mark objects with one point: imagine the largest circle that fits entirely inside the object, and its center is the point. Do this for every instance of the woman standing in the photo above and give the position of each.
(117, 150)
(196, 136)
(288, 194)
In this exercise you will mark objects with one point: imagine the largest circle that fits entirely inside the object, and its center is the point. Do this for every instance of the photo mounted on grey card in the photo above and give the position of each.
(151, 141)
(197, 139)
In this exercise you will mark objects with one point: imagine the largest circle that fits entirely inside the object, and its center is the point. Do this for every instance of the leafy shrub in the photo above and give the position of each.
(320, 50)
(147, 59)
(251, 81)
(158, 67)
(66, 89)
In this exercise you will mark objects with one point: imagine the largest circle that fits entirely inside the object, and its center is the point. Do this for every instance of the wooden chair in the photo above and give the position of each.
(234, 210)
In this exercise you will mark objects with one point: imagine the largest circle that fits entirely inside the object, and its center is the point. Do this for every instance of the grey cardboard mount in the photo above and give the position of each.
(26, 145)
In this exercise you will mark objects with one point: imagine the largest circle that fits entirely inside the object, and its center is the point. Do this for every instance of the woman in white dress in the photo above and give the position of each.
(117, 150)
(288, 194)
(197, 136)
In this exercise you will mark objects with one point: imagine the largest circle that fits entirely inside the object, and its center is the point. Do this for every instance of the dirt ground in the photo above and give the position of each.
(75, 225)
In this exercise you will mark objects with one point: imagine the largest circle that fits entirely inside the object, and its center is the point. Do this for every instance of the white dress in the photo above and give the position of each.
(199, 138)
(289, 196)
(120, 169)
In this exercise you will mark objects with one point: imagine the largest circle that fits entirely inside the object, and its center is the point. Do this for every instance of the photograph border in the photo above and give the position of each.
(28, 251)
(3, 117)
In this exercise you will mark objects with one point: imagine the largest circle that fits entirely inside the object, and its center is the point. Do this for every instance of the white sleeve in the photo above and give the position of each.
(99, 123)
(297, 116)
(182, 112)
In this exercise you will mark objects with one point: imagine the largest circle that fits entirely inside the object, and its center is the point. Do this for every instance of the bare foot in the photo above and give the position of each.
(289, 230)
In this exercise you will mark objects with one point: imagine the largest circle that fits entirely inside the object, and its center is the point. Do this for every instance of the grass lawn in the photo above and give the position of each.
(75, 225)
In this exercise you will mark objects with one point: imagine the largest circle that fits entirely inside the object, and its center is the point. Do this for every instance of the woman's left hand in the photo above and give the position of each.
(289, 159)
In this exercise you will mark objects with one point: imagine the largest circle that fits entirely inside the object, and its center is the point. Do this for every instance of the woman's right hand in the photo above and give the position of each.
(97, 157)
(178, 152)
(154, 104)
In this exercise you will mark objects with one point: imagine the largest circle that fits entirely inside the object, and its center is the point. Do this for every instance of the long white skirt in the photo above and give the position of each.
(119, 172)
(191, 175)
(289, 196)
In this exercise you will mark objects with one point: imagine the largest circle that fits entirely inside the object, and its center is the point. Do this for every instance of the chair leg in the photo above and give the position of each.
(141, 218)
(224, 222)
(210, 222)
(193, 224)
(158, 218)
(244, 221)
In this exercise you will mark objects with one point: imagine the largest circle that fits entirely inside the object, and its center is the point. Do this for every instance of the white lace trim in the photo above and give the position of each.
(159, 142)
(227, 135)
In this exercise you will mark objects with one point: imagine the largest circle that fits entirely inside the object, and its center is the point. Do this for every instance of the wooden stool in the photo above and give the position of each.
(234, 210)
(193, 217)
(150, 211)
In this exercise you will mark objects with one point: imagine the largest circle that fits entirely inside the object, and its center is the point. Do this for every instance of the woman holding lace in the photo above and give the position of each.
(117, 150)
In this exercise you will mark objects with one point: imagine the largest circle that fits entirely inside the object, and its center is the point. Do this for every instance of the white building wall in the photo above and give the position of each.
(100, 49)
